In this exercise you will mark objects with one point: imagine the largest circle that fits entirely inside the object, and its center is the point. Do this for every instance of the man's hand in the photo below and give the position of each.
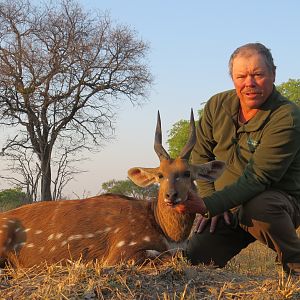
(202, 222)
(194, 204)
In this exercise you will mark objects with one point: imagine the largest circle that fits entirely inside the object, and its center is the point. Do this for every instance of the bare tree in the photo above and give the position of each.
(64, 163)
(63, 72)
(22, 171)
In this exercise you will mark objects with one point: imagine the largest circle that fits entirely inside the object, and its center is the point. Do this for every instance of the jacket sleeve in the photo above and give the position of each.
(203, 150)
(273, 159)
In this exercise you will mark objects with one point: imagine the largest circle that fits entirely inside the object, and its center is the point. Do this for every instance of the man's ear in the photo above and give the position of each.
(143, 176)
(209, 171)
(274, 74)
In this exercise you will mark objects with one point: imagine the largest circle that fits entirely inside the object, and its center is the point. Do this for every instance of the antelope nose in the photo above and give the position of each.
(171, 196)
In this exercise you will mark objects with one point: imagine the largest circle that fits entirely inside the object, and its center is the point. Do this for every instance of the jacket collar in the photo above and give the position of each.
(232, 105)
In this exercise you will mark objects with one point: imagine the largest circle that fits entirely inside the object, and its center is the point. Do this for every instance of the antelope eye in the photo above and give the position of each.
(160, 176)
(187, 174)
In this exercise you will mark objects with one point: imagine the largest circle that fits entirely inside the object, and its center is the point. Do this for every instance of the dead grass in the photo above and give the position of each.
(253, 274)
(256, 259)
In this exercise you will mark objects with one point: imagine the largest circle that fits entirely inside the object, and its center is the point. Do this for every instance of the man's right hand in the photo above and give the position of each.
(194, 204)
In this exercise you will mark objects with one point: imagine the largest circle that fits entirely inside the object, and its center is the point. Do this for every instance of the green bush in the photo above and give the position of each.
(11, 198)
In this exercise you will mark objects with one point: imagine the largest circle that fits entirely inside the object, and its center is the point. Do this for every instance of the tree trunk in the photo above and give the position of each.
(46, 179)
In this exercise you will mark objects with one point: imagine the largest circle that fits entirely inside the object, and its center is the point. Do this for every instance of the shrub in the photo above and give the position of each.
(11, 198)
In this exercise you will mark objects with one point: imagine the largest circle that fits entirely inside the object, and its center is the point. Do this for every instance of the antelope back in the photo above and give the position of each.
(109, 228)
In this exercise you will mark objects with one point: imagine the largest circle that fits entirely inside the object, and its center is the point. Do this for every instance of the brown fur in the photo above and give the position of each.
(109, 228)
(90, 228)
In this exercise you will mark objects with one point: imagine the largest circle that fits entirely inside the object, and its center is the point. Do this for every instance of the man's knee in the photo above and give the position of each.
(263, 207)
(202, 249)
(219, 247)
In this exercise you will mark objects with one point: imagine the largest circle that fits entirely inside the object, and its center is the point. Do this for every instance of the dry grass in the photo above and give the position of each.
(253, 274)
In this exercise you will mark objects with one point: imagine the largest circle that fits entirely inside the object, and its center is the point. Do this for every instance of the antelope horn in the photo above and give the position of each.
(187, 149)
(159, 149)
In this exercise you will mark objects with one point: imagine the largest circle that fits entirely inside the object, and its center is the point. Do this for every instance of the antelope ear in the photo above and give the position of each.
(142, 176)
(209, 171)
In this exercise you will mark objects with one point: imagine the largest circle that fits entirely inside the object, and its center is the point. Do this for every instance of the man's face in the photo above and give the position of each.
(252, 79)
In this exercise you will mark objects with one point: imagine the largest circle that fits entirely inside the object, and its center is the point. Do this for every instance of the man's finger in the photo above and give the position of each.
(180, 208)
(213, 224)
(202, 225)
(227, 218)
(198, 223)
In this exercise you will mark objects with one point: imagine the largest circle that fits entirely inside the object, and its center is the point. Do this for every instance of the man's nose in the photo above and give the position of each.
(250, 80)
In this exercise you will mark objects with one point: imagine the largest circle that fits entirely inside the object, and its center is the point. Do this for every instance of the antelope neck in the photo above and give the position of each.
(175, 226)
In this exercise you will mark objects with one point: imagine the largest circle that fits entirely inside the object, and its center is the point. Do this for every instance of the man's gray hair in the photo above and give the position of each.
(253, 47)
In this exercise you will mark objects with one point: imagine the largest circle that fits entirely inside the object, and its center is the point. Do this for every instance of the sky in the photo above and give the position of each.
(190, 45)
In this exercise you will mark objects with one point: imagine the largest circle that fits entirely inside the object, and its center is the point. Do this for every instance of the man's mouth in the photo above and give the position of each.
(252, 93)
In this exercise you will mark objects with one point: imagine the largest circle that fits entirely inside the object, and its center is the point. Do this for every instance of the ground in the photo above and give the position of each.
(167, 281)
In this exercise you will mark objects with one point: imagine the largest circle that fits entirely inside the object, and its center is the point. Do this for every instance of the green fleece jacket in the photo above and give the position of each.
(262, 154)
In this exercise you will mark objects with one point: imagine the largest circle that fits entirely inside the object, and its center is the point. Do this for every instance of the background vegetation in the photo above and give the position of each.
(128, 188)
(12, 198)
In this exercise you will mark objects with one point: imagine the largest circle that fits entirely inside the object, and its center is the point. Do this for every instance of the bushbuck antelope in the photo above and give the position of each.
(110, 228)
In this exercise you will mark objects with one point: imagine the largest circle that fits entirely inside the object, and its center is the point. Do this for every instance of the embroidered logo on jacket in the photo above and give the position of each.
(252, 144)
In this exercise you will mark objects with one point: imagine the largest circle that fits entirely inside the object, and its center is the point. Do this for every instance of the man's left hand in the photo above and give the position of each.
(202, 222)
